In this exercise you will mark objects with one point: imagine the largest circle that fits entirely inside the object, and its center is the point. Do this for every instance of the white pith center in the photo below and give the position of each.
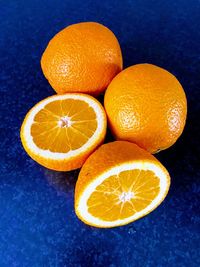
(64, 122)
(126, 196)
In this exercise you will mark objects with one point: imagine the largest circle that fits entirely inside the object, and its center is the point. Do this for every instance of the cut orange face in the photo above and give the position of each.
(61, 131)
(119, 183)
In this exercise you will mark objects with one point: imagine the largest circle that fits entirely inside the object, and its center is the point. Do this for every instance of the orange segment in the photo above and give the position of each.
(119, 183)
(44, 114)
(61, 131)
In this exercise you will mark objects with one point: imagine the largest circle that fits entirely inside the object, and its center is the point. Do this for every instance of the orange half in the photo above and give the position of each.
(118, 184)
(61, 131)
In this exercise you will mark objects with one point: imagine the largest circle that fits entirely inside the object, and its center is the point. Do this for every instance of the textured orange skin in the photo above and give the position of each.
(108, 156)
(65, 164)
(146, 104)
(83, 57)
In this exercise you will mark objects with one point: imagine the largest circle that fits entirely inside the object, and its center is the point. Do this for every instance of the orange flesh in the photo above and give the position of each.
(63, 125)
(121, 196)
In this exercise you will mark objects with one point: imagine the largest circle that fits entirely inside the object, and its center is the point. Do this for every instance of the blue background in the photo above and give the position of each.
(38, 226)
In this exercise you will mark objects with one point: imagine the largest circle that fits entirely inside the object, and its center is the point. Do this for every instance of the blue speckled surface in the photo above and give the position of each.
(38, 226)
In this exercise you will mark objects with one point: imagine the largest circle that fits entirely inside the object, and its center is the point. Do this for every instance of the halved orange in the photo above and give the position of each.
(119, 183)
(61, 131)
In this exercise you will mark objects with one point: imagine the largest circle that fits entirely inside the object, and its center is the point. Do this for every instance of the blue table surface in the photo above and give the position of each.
(38, 225)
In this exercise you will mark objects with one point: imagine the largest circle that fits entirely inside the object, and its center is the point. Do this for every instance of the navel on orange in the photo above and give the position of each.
(119, 183)
(146, 105)
(61, 131)
(83, 57)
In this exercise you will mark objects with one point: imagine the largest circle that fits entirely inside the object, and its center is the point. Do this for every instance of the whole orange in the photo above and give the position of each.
(83, 57)
(146, 105)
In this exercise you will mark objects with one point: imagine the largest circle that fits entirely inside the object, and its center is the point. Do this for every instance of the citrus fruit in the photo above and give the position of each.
(119, 183)
(61, 131)
(83, 57)
(146, 104)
